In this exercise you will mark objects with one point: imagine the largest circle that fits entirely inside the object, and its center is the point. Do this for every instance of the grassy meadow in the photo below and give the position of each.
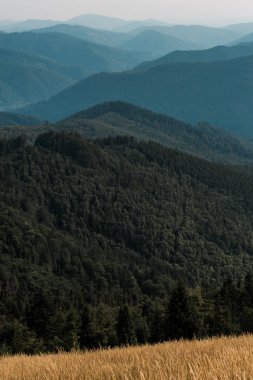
(219, 359)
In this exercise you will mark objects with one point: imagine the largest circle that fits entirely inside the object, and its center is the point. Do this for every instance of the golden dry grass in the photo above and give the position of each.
(225, 358)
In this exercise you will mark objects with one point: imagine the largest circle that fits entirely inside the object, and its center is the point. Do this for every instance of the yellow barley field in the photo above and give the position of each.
(219, 359)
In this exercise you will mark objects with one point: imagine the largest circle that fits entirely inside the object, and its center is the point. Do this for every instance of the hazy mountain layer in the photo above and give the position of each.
(97, 36)
(157, 43)
(71, 51)
(220, 93)
(27, 78)
(201, 35)
(218, 53)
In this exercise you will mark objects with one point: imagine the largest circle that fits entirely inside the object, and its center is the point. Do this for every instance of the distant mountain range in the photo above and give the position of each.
(220, 93)
(71, 51)
(27, 78)
(200, 35)
(157, 43)
(243, 28)
(23, 26)
(218, 53)
(150, 41)
(112, 23)
(97, 21)
(245, 39)
(35, 66)
(97, 36)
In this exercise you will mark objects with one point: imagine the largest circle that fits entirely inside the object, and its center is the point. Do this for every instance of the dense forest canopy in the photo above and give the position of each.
(96, 232)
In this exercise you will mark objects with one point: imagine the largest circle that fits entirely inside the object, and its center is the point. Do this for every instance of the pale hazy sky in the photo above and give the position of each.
(188, 11)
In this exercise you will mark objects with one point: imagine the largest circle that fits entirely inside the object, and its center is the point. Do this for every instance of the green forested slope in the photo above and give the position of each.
(119, 118)
(87, 227)
(113, 190)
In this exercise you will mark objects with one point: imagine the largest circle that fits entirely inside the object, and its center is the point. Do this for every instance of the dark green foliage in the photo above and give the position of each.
(125, 326)
(180, 319)
(227, 309)
(94, 236)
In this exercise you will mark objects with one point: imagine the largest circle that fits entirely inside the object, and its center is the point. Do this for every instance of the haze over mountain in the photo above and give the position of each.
(27, 78)
(71, 51)
(243, 28)
(97, 21)
(218, 53)
(23, 26)
(88, 34)
(157, 43)
(220, 93)
(203, 36)
(131, 26)
(150, 41)
(244, 40)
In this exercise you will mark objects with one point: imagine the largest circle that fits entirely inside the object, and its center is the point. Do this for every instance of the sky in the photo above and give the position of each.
(215, 12)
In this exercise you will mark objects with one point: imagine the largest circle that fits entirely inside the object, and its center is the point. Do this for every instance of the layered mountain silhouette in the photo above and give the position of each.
(97, 21)
(71, 51)
(150, 41)
(220, 93)
(97, 36)
(27, 78)
(244, 40)
(157, 43)
(203, 36)
(218, 53)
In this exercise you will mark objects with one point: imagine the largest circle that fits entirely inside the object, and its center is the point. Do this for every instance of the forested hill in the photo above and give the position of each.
(109, 193)
(119, 118)
(103, 223)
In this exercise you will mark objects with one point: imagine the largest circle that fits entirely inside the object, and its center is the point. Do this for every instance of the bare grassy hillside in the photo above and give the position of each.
(219, 359)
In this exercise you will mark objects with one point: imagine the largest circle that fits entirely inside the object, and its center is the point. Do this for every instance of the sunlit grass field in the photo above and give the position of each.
(223, 358)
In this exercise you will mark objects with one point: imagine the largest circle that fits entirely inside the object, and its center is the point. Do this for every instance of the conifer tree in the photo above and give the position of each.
(125, 327)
